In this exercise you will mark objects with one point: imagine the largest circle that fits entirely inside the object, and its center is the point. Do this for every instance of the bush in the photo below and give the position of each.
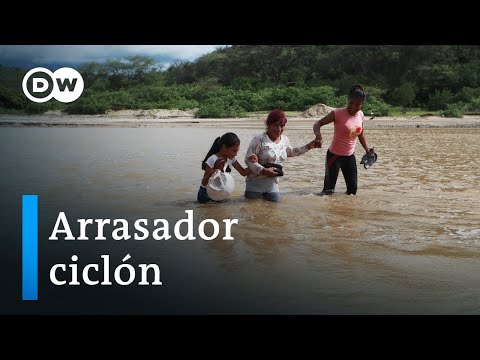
(402, 95)
(87, 106)
(473, 105)
(12, 100)
(311, 96)
(283, 98)
(376, 107)
(466, 95)
(36, 108)
(439, 100)
(218, 108)
(454, 110)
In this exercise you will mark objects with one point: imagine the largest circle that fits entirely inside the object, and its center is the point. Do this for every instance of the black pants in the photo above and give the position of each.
(202, 195)
(333, 163)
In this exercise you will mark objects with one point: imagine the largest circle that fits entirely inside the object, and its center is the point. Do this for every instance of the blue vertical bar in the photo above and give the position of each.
(29, 247)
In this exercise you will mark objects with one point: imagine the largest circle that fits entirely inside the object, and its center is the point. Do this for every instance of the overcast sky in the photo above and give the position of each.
(43, 55)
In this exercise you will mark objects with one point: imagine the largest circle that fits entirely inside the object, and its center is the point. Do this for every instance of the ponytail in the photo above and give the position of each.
(229, 139)
(216, 146)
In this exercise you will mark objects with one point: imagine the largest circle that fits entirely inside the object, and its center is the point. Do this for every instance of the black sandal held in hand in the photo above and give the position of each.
(369, 159)
(277, 168)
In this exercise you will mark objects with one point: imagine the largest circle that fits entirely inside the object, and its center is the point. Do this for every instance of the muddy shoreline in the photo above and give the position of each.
(183, 119)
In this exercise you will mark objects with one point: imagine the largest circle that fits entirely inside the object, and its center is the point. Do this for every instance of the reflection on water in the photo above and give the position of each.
(407, 243)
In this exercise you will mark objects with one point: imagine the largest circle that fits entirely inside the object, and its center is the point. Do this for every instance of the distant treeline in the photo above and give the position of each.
(234, 80)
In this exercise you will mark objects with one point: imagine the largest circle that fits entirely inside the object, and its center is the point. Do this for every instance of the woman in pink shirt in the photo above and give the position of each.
(348, 126)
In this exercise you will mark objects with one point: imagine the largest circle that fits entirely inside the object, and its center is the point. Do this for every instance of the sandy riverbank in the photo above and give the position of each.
(170, 118)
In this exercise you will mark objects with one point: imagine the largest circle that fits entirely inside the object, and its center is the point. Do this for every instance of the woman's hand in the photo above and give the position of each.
(253, 158)
(314, 144)
(219, 164)
(269, 172)
(207, 174)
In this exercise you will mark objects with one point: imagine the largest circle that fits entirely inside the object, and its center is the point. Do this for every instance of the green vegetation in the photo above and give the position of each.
(408, 80)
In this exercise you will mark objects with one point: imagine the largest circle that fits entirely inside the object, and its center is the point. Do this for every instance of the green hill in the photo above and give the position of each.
(231, 81)
(11, 78)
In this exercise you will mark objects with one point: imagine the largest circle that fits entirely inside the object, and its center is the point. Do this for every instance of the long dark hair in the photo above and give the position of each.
(229, 139)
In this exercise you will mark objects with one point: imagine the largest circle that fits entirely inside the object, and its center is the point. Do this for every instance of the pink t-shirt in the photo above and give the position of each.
(345, 132)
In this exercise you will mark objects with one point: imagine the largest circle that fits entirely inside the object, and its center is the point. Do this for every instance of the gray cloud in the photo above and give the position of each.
(44, 54)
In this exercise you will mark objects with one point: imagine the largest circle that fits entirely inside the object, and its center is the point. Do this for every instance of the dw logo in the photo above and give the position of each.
(65, 85)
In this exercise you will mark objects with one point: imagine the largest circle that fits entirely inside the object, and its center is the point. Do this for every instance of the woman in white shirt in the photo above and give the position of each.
(271, 147)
